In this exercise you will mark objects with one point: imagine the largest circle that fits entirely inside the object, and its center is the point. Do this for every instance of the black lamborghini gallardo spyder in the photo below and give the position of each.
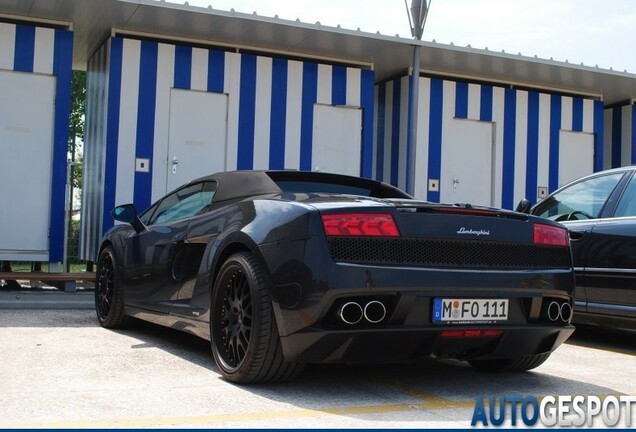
(282, 268)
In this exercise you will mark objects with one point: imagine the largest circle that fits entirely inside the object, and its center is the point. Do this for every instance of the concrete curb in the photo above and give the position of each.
(47, 299)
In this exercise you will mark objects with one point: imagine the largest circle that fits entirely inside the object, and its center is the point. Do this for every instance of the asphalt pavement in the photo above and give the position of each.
(46, 298)
(60, 369)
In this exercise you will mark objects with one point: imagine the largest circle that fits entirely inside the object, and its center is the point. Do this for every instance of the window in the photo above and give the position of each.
(583, 200)
(627, 204)
(146, 216)
(184, 203)
(305, 186)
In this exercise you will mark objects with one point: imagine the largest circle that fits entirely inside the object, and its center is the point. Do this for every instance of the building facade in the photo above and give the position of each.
(162, 114)
(175, 92)
(485, 143)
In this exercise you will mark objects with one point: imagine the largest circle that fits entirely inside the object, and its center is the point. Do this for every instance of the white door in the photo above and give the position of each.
(27, 105)
(337, 138)
(576, 155)
(467, 153)
(197, 135)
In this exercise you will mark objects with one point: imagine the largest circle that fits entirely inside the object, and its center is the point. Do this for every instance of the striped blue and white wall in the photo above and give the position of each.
(527, 126)
(38, 50)
(620, 136)
(269, 126)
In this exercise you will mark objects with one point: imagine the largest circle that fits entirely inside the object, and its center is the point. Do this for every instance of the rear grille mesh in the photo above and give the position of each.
(447, 253)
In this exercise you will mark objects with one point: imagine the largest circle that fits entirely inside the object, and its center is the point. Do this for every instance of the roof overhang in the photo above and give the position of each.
(390, 56)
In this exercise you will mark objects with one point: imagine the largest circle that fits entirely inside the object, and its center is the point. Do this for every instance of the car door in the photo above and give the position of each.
(154, 258)
(610, 274)
(580, 206)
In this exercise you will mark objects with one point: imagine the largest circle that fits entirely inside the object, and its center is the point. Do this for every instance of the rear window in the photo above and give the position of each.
(321, 187)
(299, 182)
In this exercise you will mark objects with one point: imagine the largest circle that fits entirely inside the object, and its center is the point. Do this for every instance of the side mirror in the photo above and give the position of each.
(524, 206)
(127, 213)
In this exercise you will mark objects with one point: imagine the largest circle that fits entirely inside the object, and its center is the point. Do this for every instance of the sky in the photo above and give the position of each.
(592, 32)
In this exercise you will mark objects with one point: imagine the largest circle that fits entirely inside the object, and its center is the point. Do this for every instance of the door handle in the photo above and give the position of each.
(175, 162)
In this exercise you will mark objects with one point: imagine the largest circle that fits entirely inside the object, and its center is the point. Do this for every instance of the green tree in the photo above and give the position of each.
(76, 125)
(75, 138)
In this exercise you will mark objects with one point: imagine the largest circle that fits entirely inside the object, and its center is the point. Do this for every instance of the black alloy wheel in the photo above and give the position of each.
(236, 318)
(109, 303)
(243, 331)
(104, 287)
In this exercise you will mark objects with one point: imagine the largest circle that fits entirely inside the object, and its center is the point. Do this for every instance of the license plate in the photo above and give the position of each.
(464, 311)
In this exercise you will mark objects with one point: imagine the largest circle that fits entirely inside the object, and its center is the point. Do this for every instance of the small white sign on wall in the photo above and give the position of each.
(142, 165)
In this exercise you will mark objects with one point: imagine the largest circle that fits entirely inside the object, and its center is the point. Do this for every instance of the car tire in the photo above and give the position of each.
(514, 364)
(243, 332)
(109, 296)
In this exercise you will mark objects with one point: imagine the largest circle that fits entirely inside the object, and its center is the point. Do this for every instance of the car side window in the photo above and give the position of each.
(627, 204)
(583, 200)
(184, 203)
(147, 215)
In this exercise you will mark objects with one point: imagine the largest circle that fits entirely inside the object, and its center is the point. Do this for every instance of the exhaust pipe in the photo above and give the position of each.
(554, 311)
(374, 311)
(566, 312)
(351, 313)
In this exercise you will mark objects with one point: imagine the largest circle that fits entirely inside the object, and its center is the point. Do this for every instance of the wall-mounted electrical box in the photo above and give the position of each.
(142, 165)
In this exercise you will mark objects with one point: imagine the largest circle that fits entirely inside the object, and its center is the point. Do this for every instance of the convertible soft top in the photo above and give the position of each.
(238, 184)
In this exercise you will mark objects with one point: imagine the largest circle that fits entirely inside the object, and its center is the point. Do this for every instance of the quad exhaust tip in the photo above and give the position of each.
(559, 311)
(374, 312)
(554, 311)
(566, 312)
(352, 312)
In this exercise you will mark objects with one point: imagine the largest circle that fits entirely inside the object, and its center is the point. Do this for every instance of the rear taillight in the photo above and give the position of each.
(371, 225)
(550, 235)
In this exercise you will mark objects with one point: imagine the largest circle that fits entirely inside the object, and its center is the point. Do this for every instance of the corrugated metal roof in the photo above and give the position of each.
(94, 20)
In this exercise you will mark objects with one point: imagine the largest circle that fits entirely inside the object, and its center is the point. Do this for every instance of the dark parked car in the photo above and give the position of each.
(600, 212)
(283, 268)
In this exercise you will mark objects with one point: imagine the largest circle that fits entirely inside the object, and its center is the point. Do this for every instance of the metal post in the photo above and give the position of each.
(67, 211)
(417, 15)
(414, 95)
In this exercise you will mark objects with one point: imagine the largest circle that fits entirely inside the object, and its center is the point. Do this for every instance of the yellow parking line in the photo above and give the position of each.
(428, 403)
(210, 419)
